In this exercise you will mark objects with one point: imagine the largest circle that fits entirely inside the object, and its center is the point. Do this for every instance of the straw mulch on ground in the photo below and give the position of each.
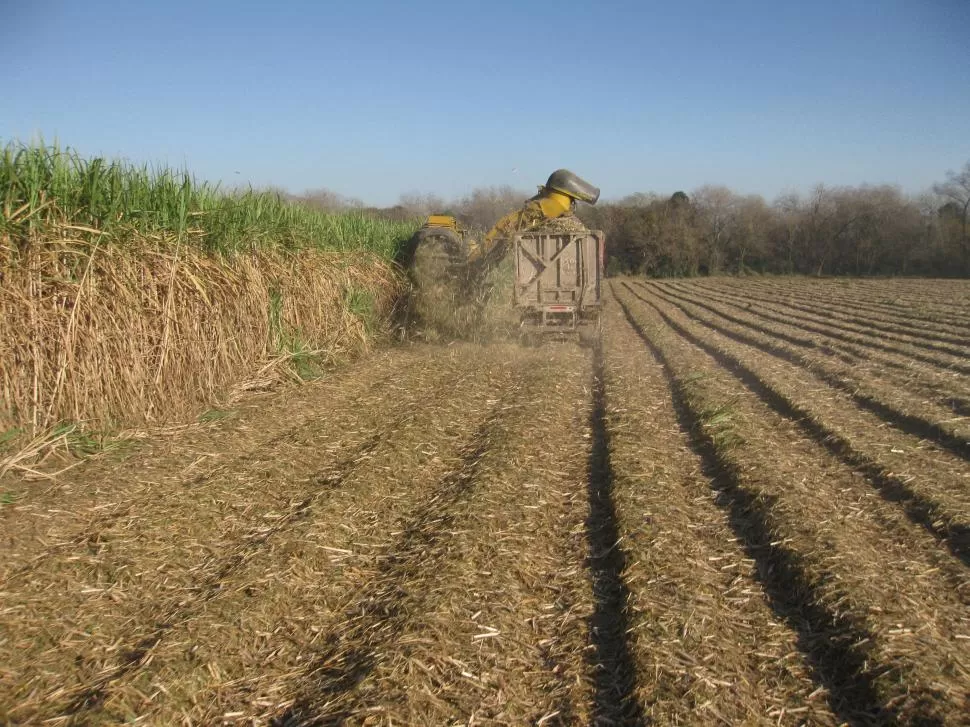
(874, 384)
(676, 527)
(876, 582)
(707, 644)
(894, 369)
(477, 611)
(930, 480)
(837, 306)
(214, 588)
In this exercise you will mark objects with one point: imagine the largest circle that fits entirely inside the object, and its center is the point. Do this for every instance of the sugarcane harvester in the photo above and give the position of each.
(558, 262)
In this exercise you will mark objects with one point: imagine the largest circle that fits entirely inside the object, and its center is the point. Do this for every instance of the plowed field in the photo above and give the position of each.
(749, 504)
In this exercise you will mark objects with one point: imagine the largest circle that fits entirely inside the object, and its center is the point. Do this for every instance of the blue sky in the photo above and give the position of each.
(372, 98)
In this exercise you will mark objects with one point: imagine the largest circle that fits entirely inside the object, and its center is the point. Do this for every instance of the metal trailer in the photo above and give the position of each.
(558, 277)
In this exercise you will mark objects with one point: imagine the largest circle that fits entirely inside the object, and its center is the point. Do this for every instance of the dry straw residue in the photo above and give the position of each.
(133, 295)
(154, 329)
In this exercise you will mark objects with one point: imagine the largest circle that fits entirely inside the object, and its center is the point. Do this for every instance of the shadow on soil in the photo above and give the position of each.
(91, 697)
(382, 609)
(921, 510)
(611, 662)
(912, 424)
(830, 642)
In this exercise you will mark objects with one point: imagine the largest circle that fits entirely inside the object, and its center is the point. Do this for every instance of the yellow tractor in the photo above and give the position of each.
(558, 262)
(443, 239)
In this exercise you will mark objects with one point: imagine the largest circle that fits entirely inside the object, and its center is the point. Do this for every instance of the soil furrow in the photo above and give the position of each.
(615, 670)
(469, 634)
(847, 353)
(939, 503)
(211, 455)
(353, 550)
(885, 297)
(221, 567)
(944, 387)
(735, 298)
(904, 413)
(839, 310)
(829, 637)
(120, 587)
(511, 602)
(383, 606)
(954, 345)
(885, 663)
(949, 363)
(707, 644)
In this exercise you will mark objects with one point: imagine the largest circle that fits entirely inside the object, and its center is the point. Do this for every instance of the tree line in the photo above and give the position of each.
(864, 230)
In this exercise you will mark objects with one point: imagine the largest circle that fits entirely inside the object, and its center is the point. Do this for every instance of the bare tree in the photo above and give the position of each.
(487, 205)
(640, 199)
(715, 207)
(329, 201)
(680, 240)
(752, 225)
(883, 225)
(862, 230)
(788, 209)
(830, 217)
(956, 189)
(422, 205)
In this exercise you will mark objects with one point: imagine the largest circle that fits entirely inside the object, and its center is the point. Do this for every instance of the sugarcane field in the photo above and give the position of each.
(747, 503)
(507, 364)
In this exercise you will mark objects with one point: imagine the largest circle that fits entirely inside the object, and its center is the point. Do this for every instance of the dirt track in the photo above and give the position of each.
(739, 509)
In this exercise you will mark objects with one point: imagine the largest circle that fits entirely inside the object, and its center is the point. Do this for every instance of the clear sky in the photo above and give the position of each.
(374, 98)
